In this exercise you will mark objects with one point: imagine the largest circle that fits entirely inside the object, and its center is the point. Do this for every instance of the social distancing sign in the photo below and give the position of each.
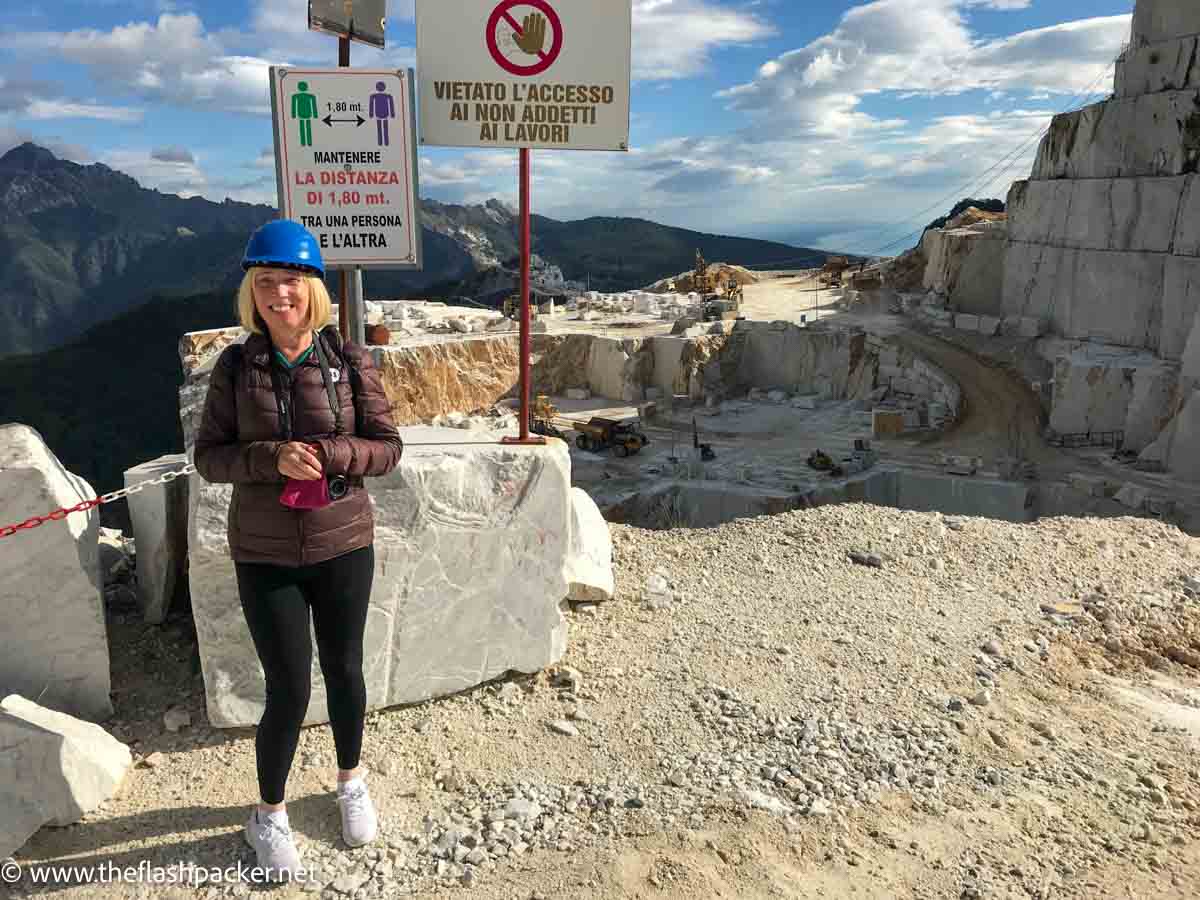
(345, 157)
(550, 74)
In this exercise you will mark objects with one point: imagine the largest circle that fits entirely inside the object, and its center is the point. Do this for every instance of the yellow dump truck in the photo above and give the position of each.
(624, 437)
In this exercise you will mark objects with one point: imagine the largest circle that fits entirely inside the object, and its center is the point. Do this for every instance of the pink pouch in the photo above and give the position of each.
(305, 494)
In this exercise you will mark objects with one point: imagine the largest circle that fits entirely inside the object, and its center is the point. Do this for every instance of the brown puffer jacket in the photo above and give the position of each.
(243, 430)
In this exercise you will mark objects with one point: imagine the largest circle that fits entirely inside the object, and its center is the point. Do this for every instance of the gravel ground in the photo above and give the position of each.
(970, 709)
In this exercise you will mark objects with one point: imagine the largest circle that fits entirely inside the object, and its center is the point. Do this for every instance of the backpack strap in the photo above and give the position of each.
(236, 352)
(334, 341)
(236, 355)
(327, 378)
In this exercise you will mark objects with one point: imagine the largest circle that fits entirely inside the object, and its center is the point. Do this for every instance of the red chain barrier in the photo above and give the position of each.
(84, 506)
(58, 514)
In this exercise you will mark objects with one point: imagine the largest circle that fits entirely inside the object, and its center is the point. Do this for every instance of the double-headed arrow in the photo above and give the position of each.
(329, 120)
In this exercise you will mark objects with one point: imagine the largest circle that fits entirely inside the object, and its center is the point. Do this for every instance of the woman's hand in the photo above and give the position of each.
(300, 461)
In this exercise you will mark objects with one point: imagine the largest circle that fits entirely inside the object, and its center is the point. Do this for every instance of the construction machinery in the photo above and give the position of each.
(624, 437)
(543, 416)
(726, 305)
(707, 454)
(861, 458)
(734, 293)
(820, 460)
(512, 308)
(701, 282)
(831, 272)
(719, 303)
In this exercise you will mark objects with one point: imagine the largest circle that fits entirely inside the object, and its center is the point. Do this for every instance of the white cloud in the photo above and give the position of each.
(182, 178)
(173, 173)
(438, 174)
(179, 155)
(41, 100)
(715, 184)
(673, 38)
(176, 60)
(1001, 4)
(173, 60)
(817, 148)
(265, 159)
(63, 109)
(911, 48)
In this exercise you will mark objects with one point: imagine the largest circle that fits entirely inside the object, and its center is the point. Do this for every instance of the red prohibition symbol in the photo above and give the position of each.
(546, 57)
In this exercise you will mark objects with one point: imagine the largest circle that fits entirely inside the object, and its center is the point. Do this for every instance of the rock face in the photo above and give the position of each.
(616, 368)
(623, 369)
(471, 549)
(1104, 245)
(159, 517)
(427, 380)
(831, 364)
(589, 570)
(432, 378)
(1099, 389)
(965, 261)
(1092, 257)
(1159, 65)
(902, 370)
(54, 769)
(1157, 21)
(54, 647)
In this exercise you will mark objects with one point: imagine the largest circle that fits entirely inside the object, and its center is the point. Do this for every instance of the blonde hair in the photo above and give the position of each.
(320, 307)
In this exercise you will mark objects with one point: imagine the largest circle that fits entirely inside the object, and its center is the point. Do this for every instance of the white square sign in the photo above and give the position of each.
(551, 74)
(345, 158)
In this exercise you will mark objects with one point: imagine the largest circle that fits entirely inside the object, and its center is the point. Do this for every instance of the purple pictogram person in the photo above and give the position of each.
(381, 108)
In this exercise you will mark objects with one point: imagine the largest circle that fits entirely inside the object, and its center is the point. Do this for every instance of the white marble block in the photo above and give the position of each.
(54, 769)
(54, 647)
(159, 517)
(471, 544)
(589, 570)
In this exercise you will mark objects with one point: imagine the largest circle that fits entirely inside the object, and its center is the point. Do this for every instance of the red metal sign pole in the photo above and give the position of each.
(343, 280)
(525, 339)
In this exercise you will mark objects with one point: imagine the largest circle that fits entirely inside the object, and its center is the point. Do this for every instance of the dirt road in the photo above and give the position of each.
(1000, 415)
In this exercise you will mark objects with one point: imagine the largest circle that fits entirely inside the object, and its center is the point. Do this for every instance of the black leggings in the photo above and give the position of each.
(276, 601)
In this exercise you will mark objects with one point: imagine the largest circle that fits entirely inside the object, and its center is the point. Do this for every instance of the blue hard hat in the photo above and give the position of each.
(286, 244)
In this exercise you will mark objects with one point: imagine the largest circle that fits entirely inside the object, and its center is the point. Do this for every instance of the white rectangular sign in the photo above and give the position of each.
(552, 74)
(345, 158)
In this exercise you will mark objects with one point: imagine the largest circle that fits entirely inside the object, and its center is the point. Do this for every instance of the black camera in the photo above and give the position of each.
(338, 488)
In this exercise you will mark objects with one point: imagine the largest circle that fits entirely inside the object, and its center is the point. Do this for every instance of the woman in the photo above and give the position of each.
(293, 416)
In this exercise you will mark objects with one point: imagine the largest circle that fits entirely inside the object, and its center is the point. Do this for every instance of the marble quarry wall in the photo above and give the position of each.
(1104, 247)
(834, 364)
(966, 265)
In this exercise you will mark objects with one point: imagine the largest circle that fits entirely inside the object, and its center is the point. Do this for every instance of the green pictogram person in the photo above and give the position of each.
(304, 108)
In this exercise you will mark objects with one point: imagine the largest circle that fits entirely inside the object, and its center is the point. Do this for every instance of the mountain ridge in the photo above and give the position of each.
(82, 244)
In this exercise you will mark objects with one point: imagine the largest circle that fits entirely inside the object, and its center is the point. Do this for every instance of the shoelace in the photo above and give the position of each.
(354, 802)
(274, 834)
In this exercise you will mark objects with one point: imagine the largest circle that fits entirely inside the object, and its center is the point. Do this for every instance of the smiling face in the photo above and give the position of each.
(281, 299)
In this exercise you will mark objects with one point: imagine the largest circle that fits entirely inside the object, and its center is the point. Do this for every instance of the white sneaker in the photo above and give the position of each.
(360, 824)
(271, 838)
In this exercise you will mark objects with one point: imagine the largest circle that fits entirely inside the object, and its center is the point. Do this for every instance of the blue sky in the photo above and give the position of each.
(821, 122)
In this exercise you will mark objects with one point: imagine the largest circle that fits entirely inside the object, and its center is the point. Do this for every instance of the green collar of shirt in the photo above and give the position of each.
(291, 365)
